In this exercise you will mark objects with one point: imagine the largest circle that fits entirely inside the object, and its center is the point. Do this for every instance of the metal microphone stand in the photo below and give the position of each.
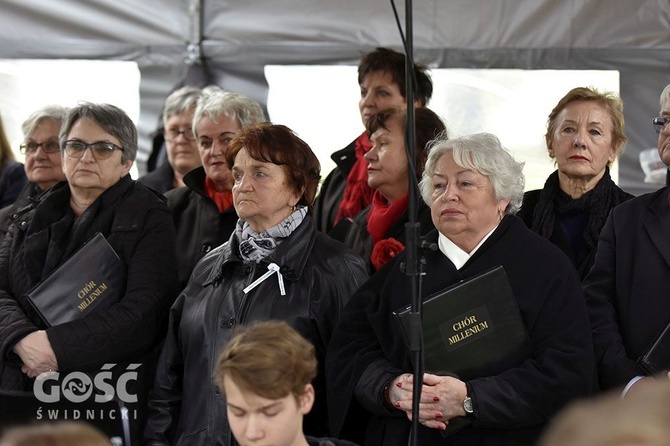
(413, 266)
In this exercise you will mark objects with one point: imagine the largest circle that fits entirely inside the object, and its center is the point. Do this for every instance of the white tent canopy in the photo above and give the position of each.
(234, 40)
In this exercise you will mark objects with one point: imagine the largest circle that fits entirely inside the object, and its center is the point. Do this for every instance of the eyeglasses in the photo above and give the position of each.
(660, 123)
(47, 147)
(100, 150)
(173, 134)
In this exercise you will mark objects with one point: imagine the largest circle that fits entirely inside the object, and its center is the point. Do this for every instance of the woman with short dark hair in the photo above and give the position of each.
(345, 192)
(275, 265)
(377, 233)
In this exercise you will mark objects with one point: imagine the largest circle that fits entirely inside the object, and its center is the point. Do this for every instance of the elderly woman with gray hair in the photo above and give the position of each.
(180, 143)
(203, 211)
(473, 187)
(43, 161)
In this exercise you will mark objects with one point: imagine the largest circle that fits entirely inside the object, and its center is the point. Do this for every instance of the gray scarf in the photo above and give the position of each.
(255, 247)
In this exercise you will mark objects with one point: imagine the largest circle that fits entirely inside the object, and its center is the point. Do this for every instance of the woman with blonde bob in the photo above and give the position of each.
(473, 187)
(585, 135)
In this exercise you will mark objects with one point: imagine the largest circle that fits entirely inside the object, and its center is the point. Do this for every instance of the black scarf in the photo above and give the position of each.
(597, 203)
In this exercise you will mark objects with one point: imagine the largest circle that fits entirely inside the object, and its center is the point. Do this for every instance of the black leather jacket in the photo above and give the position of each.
(319, 274)
(199, 224)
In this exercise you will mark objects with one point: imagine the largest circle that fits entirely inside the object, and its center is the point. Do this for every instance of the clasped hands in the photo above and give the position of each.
(441, 398)
(36, 354)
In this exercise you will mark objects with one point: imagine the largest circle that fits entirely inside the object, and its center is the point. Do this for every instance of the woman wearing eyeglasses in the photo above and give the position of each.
(99, 145)
(585, 135)
(180, 144)
(43, 161)
(203, 210)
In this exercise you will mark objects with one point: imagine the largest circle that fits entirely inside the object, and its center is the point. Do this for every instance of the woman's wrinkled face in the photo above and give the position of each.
(89, 173)
(664, 136)
(180, 143)
(214, 137)
(582, 141)
(257, 421)
(387, 161)
(262, 193)
(42, 168)
(378, 91)
(463, 203)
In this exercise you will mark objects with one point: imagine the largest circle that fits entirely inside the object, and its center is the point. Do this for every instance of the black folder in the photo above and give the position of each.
(472, 328)
(93, 278)
(657, 357)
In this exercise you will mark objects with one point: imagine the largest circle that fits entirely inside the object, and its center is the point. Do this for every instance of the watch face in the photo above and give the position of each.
(467, 404)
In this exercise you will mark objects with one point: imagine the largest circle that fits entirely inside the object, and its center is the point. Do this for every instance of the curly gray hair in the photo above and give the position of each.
(483, 153)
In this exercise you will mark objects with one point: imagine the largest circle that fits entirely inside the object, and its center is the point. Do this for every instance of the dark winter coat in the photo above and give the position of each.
(160, 179)
(360, 241)
(319, 274)
(10, 214)
(12, 179)
(510, 408)
(199, 224)
(583, 260)
(136, 222)
(330, 196)
(627, 290)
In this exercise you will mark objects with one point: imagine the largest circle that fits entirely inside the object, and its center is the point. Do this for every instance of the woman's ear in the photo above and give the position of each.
(306, 399)
(126, 167)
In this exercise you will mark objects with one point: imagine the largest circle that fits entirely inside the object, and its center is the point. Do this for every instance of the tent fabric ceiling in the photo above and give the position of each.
(240, 38)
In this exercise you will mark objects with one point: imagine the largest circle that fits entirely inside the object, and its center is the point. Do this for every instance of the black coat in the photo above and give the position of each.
(583, 261)
(199, 224)
(330, 196)
(136, 222)
(12, 179)
(627, 291)
(160, 179)
(360, 241)
(10, 214)
(511, 408)
(319, 274)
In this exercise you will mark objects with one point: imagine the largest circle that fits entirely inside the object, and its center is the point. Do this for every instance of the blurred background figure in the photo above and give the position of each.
(345, 191)
(43, 166)
(203, 211)
(12, 175)
(585, 135)
(180, 143)
(275, 265)
(638, 420)
(60, 433)
(265, 373)
(378, 231)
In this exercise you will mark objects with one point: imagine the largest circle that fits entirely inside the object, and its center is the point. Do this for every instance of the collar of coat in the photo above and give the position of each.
(291, 254)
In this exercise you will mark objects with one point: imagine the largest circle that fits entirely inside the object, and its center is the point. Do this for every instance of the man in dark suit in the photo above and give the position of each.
(628, 288)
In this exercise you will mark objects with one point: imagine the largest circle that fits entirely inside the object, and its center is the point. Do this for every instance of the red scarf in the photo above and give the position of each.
(357, 194)
(223, 200)
(383, 215)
